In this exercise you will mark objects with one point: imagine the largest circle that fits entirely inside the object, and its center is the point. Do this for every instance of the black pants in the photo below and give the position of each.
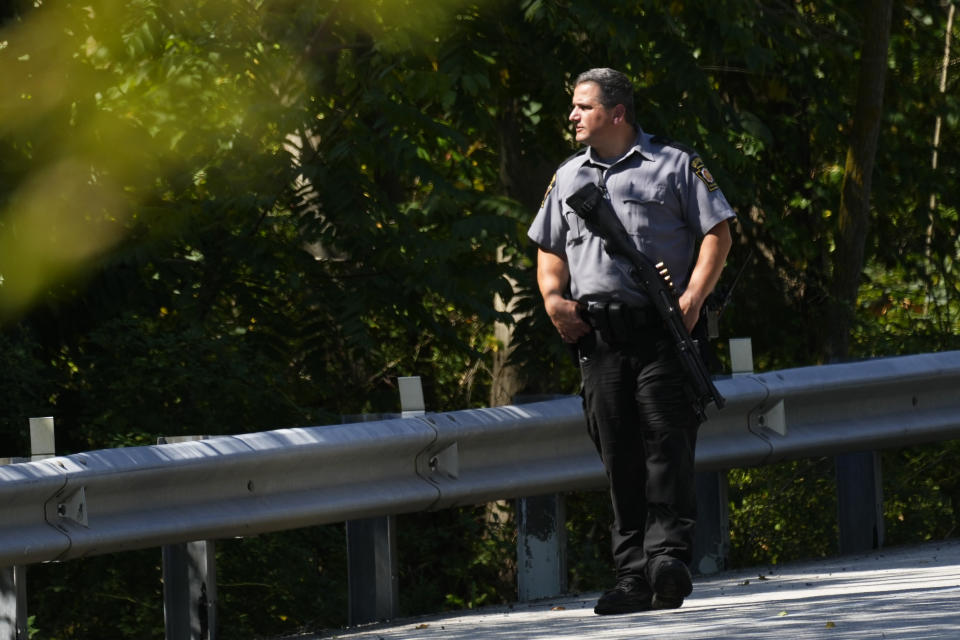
(645, 431)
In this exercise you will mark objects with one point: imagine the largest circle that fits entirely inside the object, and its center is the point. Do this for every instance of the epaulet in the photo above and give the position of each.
(696, 162)
(580, 152)
(667, 142)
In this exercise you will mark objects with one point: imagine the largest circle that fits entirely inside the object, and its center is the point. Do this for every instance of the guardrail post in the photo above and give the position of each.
(13, 603)
(189, 583)
(190, 591)
(859, 502)
(741, 356)
(541, 547)
(712, 534)
(541, 537)
(373, 589)
(42, 439)
(372, 569)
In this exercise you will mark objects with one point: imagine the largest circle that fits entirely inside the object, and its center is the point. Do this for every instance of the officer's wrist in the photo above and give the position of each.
(553, 302)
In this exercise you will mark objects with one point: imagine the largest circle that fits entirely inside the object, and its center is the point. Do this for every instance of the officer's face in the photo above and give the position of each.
(591, 120)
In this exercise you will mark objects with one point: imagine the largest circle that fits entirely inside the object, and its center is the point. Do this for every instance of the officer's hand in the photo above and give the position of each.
(565, 317)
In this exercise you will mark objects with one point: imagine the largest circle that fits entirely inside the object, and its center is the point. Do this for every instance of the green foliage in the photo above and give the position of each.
(459, 558)
(589, 516)
(783, 512)
(921, 492)
(26, 387)
(280, 583)
(118, 599)
(921, 503)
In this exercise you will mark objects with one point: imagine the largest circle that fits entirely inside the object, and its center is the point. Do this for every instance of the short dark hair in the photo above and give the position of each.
(615, 88)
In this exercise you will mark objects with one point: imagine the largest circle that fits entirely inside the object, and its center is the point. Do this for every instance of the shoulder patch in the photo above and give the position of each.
(701, 171)
(546, 195)
(553, 180)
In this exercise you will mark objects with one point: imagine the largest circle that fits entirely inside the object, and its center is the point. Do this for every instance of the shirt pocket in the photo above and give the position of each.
(644, 209)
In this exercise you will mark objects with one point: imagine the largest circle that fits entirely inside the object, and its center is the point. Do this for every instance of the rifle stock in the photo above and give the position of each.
(588, 203)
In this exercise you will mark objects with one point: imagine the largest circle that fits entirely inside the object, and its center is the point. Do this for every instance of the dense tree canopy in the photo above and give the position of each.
(232, 215)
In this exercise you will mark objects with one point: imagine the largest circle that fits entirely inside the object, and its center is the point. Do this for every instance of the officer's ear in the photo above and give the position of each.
(619, 113)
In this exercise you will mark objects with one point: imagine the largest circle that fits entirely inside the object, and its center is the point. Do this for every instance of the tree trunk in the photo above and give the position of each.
(854, 215)
(506, 379)
(938, 123)
(524, 177)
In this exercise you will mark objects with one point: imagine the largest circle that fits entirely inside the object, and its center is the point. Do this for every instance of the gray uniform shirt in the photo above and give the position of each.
(666, 199)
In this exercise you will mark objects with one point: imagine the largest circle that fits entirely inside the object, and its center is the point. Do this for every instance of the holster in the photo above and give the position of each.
(618, 322)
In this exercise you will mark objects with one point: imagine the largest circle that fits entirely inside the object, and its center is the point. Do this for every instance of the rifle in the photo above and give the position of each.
(588, 203)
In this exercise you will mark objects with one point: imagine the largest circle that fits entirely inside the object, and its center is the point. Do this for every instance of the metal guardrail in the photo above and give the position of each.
(120, 499)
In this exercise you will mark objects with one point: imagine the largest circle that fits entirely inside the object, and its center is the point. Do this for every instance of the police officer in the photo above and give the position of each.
(637, 412)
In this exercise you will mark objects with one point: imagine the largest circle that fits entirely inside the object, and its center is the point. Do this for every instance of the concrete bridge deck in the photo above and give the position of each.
(902, 593)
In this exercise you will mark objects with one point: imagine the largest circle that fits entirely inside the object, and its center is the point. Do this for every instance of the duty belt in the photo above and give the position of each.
(618, 322)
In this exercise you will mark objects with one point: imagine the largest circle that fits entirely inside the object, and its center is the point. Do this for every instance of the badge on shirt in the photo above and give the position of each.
(701, 171)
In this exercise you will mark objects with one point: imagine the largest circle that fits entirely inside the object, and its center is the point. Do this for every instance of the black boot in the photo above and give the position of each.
(631, 594)
(671, 582)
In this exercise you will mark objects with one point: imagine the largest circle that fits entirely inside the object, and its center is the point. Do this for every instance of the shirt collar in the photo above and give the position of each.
(641, 146)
